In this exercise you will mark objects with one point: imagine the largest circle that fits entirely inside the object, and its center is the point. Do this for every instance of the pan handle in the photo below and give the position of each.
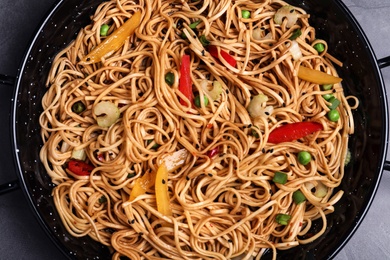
(384, 62)
(386, 166)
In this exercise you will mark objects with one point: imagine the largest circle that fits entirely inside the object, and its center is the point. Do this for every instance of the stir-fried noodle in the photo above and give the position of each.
(224, 200)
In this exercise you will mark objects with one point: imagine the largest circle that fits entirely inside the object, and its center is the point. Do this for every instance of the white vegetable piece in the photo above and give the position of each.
(256, 108)
(215, 92)
(287, 12)
(175, 160)
(295, 50)
(106, 113)
(79, 154)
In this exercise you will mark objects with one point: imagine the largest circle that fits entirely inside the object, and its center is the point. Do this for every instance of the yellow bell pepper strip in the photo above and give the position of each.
(113, 42)
(317, 76)
(142, 185)
(162, 194)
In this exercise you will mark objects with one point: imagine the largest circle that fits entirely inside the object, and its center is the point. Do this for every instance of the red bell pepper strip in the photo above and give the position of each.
(213, 152)
(293, 131)
(80, 168)
(185, 82)
(213, 50)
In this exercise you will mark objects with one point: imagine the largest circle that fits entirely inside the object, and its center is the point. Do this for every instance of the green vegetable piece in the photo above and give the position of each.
(296, 34)
(327, 97)
(304, 157)
(255, 133)
(155, 146)
(130, 175)
(320, 47)
(327, 87)
(245, 14)
(334, 103)
(102, 199)
(280, 177)
(283, 219)
(194, 24)
(333, 115)
(197, 100)
(170, 78)
(298, 197)
(203, 40)
(104, 29)
(78, 107)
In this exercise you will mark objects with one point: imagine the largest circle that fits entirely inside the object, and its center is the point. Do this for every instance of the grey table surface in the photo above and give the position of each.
(21, 237)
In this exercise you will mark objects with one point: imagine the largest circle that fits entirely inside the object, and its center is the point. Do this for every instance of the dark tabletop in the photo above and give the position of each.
(21, 236)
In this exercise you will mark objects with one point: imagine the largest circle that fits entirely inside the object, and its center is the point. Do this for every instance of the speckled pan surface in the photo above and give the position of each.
(361, 78)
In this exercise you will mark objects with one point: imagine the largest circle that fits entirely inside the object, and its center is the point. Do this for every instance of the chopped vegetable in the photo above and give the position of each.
(215, 92)
(161, 188)
(170, 78)
(155, 145)
(321, 190)
(203, 40)
(104, 29)
(295, 50)
(327, 96)
(213, 152)
(298, 197)
(174, 160)
(194, 24)
(333, 115)
(113, 42)
(226, 56)
(254, 133)
(246, 14)
(142, 185)
(348, 157)
(334, 103)
(287, 12)
(296, 34)
(282, 219)
(304, 157)
(280, 177)
(293, 131)
(185, 82)
(327, 86)
(79, 154)
(320, 47)
(197, 100)
(106, 113)
(316, 76)
(256, 107)
(80, 168)
(102, 199)
(78, 107)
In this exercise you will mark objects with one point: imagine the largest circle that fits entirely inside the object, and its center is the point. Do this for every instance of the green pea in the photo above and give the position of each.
(104, 29)
(320, 47)
(304, 157)
(245, 14)
(197, 100)
(78, 107)
(333, 115)
(170, 78)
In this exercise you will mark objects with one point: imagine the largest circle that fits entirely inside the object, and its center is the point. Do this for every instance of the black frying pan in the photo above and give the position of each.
(361, 75)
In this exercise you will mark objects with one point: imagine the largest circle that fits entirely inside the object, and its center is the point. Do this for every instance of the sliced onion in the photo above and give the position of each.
(287, 12)
(295, 50)
(64, 147)
(321, 190)
(256, 34)
(215, 92)
(79, 154)
(106, 113)
(256, 107)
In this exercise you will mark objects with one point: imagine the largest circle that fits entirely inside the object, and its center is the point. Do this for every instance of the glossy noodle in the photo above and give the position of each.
(123, 118)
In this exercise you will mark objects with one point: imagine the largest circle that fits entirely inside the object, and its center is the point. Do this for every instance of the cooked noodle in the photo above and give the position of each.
(223, 206)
